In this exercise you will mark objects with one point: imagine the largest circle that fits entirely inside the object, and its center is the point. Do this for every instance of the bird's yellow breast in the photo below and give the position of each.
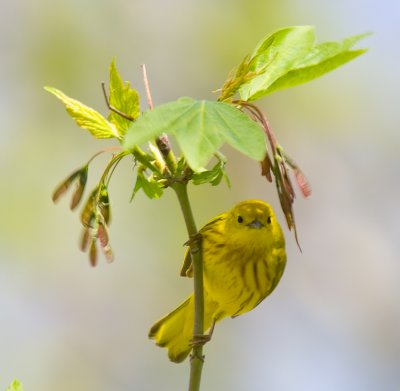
(243, 261)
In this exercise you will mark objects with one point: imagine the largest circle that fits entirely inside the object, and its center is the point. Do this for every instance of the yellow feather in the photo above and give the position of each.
(243, 259)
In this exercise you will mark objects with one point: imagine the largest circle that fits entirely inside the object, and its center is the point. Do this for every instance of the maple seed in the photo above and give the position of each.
(266, 167)
(85, 239)
(303, 183)
(62, 188)
(93, 253)
(88, 211)
(80, 187)
(104, 205)
(102, 235)
(108, 253)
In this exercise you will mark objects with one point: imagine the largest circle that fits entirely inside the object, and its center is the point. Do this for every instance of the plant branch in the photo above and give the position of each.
(261, 117)
(112, 108)
(147, 87)
(197, 358)
(108, 149)
(110, 166)
(162, 142)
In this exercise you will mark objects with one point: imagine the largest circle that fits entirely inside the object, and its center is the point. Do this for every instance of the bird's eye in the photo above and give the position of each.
(240, 219)
(269, 220)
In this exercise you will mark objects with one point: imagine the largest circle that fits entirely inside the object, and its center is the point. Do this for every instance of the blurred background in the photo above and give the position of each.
(332, 324)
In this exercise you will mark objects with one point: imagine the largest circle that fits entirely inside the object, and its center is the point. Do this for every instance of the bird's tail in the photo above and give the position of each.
(175, 330)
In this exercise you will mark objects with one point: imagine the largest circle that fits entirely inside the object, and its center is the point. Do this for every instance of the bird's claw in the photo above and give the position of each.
(200, 339)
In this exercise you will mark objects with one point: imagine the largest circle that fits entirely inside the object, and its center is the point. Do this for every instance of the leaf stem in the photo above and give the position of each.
(196, 358)
(162, 141)
(110, 166)
(147, 87)
(111, 107)
(264, 122)
(109, 149)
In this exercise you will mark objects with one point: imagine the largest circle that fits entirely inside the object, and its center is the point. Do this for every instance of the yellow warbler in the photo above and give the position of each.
(243, 260)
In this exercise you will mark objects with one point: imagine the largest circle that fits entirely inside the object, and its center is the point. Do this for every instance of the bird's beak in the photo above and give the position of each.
(256, 224)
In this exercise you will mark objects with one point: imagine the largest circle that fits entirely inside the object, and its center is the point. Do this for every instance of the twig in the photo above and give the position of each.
(112, 108)
(108, 149)
(261, 117)
(197, 358)
(147, 87)
(162, 141)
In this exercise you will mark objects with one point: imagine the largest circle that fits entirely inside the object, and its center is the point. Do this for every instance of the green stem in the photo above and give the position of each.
(196, 359)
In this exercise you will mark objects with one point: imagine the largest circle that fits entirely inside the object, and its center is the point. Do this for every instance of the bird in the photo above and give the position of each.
(244, 257)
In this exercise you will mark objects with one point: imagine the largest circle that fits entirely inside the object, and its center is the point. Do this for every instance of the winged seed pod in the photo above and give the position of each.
(103, 205)
(93, 253)
(64, 186)
(85, 239)
(102, 234)
(88, 214)
(79, 188)
(266, 168)
(302, 182)
(95, 217)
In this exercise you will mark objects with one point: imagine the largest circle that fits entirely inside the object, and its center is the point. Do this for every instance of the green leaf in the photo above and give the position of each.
(290, 57)
(213, 176)
(149, 186)
(86, 117)
(138, 186)
(277, 54)
(124, 98)
(322, 59)
(200, 128)
(15, 386)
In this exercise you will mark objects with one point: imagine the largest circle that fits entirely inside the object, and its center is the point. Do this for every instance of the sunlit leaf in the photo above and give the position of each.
(280, 51)
(86, 117)
(124, 98)
(200, 128)
(322, 59)
(289, 57)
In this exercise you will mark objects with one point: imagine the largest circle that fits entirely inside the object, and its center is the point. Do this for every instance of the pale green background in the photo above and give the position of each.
(334, 321)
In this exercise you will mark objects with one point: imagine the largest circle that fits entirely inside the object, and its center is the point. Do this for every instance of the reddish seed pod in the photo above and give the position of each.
(303, 183)
(93, 253)
(108, 253)
(266, 166)
(85, 239)
(102, 234)
(64, 186)
(80, 187)
(104, 205)
(88, 212)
